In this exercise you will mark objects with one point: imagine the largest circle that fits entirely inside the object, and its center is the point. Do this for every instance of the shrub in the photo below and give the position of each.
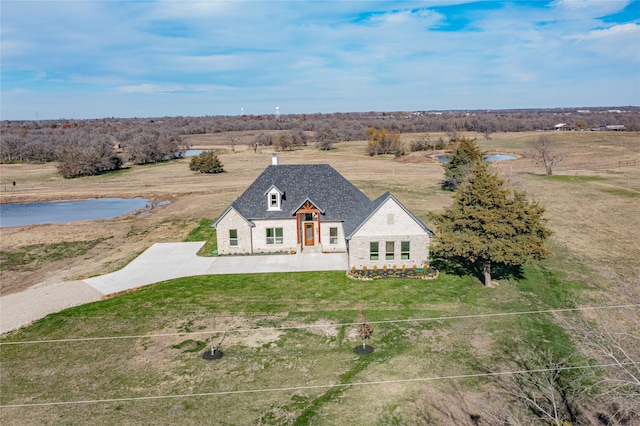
(206, 162)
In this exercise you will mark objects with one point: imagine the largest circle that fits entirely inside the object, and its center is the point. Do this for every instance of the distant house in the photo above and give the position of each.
(312, 208)
(563, 126)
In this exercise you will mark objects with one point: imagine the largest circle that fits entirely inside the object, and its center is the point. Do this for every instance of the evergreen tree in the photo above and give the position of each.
(206, 162)
(461, 164)
(489, 224)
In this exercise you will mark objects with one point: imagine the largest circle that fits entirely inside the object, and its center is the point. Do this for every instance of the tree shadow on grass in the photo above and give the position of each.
(460, 266)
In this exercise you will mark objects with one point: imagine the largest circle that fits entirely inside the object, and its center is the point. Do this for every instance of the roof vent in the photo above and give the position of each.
(274, 159)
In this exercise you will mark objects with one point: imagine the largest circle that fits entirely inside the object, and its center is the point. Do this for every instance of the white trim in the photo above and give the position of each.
(274, 196)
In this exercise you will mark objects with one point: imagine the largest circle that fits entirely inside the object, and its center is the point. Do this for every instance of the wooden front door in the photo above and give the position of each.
(308, 234)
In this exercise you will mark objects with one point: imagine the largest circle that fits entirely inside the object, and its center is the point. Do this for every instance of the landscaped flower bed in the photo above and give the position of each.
(429, 273)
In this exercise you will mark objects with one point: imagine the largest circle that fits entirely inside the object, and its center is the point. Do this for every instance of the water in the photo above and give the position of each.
(68, 211)
(193, 152)
(487, 157)
(498, 157)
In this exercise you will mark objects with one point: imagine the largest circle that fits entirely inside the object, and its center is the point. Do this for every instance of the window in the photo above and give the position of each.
(333, 235)
(233, 237)
(274, 199)
(308, 217)
(405, 250)
(274, 236)
(373, 250)
(389, 249)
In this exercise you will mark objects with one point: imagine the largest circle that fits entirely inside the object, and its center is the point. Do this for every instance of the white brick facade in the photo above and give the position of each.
(390, 223)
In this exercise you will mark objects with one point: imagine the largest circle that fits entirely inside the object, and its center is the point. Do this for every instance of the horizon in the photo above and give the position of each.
(622, 109)
(126, 59)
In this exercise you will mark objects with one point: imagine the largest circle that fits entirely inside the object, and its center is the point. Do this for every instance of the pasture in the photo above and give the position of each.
(288, 338)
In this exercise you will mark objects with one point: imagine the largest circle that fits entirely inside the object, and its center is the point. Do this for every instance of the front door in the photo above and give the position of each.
(308, 234)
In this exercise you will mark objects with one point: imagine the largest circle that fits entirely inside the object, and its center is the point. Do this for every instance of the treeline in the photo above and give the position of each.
(86, 148)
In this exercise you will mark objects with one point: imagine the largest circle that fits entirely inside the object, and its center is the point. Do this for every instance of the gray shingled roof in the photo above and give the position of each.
(327, 189)
(322, 184)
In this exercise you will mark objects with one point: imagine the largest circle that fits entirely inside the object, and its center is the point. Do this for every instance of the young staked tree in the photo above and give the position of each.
(461, 164)
(490, 224)
(364, 328)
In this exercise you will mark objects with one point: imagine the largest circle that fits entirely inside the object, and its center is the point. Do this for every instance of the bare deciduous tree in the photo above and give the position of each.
(262, 139)
(543, 151)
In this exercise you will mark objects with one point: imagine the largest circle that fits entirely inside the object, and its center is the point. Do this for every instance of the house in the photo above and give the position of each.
(563, 126)
(311, 208)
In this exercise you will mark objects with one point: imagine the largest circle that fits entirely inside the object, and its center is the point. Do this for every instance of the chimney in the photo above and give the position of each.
(274, 159)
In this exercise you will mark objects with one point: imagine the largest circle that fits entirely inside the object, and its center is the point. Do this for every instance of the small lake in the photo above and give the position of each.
(17, 214)
(487, 157)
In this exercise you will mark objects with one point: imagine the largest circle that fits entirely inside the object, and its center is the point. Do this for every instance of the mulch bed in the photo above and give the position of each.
(209, 356)
(360, 350)
(430, 273)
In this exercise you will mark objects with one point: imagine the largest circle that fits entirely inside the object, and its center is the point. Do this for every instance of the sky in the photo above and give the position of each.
(94, 59)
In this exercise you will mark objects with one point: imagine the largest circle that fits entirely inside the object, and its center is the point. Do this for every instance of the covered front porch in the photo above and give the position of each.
(308, 228)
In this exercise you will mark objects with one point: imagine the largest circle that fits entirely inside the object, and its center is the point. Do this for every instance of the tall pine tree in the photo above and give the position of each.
(461, 164)
(490, 224)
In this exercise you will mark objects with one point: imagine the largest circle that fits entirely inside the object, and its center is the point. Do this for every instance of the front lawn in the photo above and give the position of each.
(288, 342)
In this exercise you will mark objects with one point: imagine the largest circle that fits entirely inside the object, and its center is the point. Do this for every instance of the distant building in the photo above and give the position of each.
(612, 128)
(563, 126)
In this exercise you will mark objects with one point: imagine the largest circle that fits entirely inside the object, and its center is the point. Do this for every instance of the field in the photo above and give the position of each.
(288, 350)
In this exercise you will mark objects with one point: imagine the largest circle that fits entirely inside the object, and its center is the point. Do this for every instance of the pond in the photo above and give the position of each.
(16, 214)
(193, 152)
(487, 157)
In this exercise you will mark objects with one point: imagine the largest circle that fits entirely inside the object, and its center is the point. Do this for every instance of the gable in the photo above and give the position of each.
(230, 214)
(390, 217)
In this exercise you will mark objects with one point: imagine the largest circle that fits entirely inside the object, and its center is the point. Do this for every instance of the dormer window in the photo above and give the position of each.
(274, 198)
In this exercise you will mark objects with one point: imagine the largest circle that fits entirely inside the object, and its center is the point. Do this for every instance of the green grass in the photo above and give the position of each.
(573, 178)
(622, 192)
(29, 258)
(204, 232)
(177, 318)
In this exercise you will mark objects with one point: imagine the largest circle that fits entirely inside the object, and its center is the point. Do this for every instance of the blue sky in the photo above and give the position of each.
(93, 59)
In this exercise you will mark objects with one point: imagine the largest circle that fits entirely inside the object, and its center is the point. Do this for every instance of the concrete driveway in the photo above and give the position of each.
(160, 262)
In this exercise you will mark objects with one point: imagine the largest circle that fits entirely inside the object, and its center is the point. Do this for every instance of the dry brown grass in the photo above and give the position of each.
(594, 216)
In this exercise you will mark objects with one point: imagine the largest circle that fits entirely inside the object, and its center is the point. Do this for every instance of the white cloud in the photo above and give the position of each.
(362, 53)
(150, 89)
(588, 8)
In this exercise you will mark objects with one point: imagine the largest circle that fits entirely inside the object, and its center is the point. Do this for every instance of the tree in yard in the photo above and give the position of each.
(206, 162)
(364, 328)
(490, 224)
(461, 164)
(543, 151)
